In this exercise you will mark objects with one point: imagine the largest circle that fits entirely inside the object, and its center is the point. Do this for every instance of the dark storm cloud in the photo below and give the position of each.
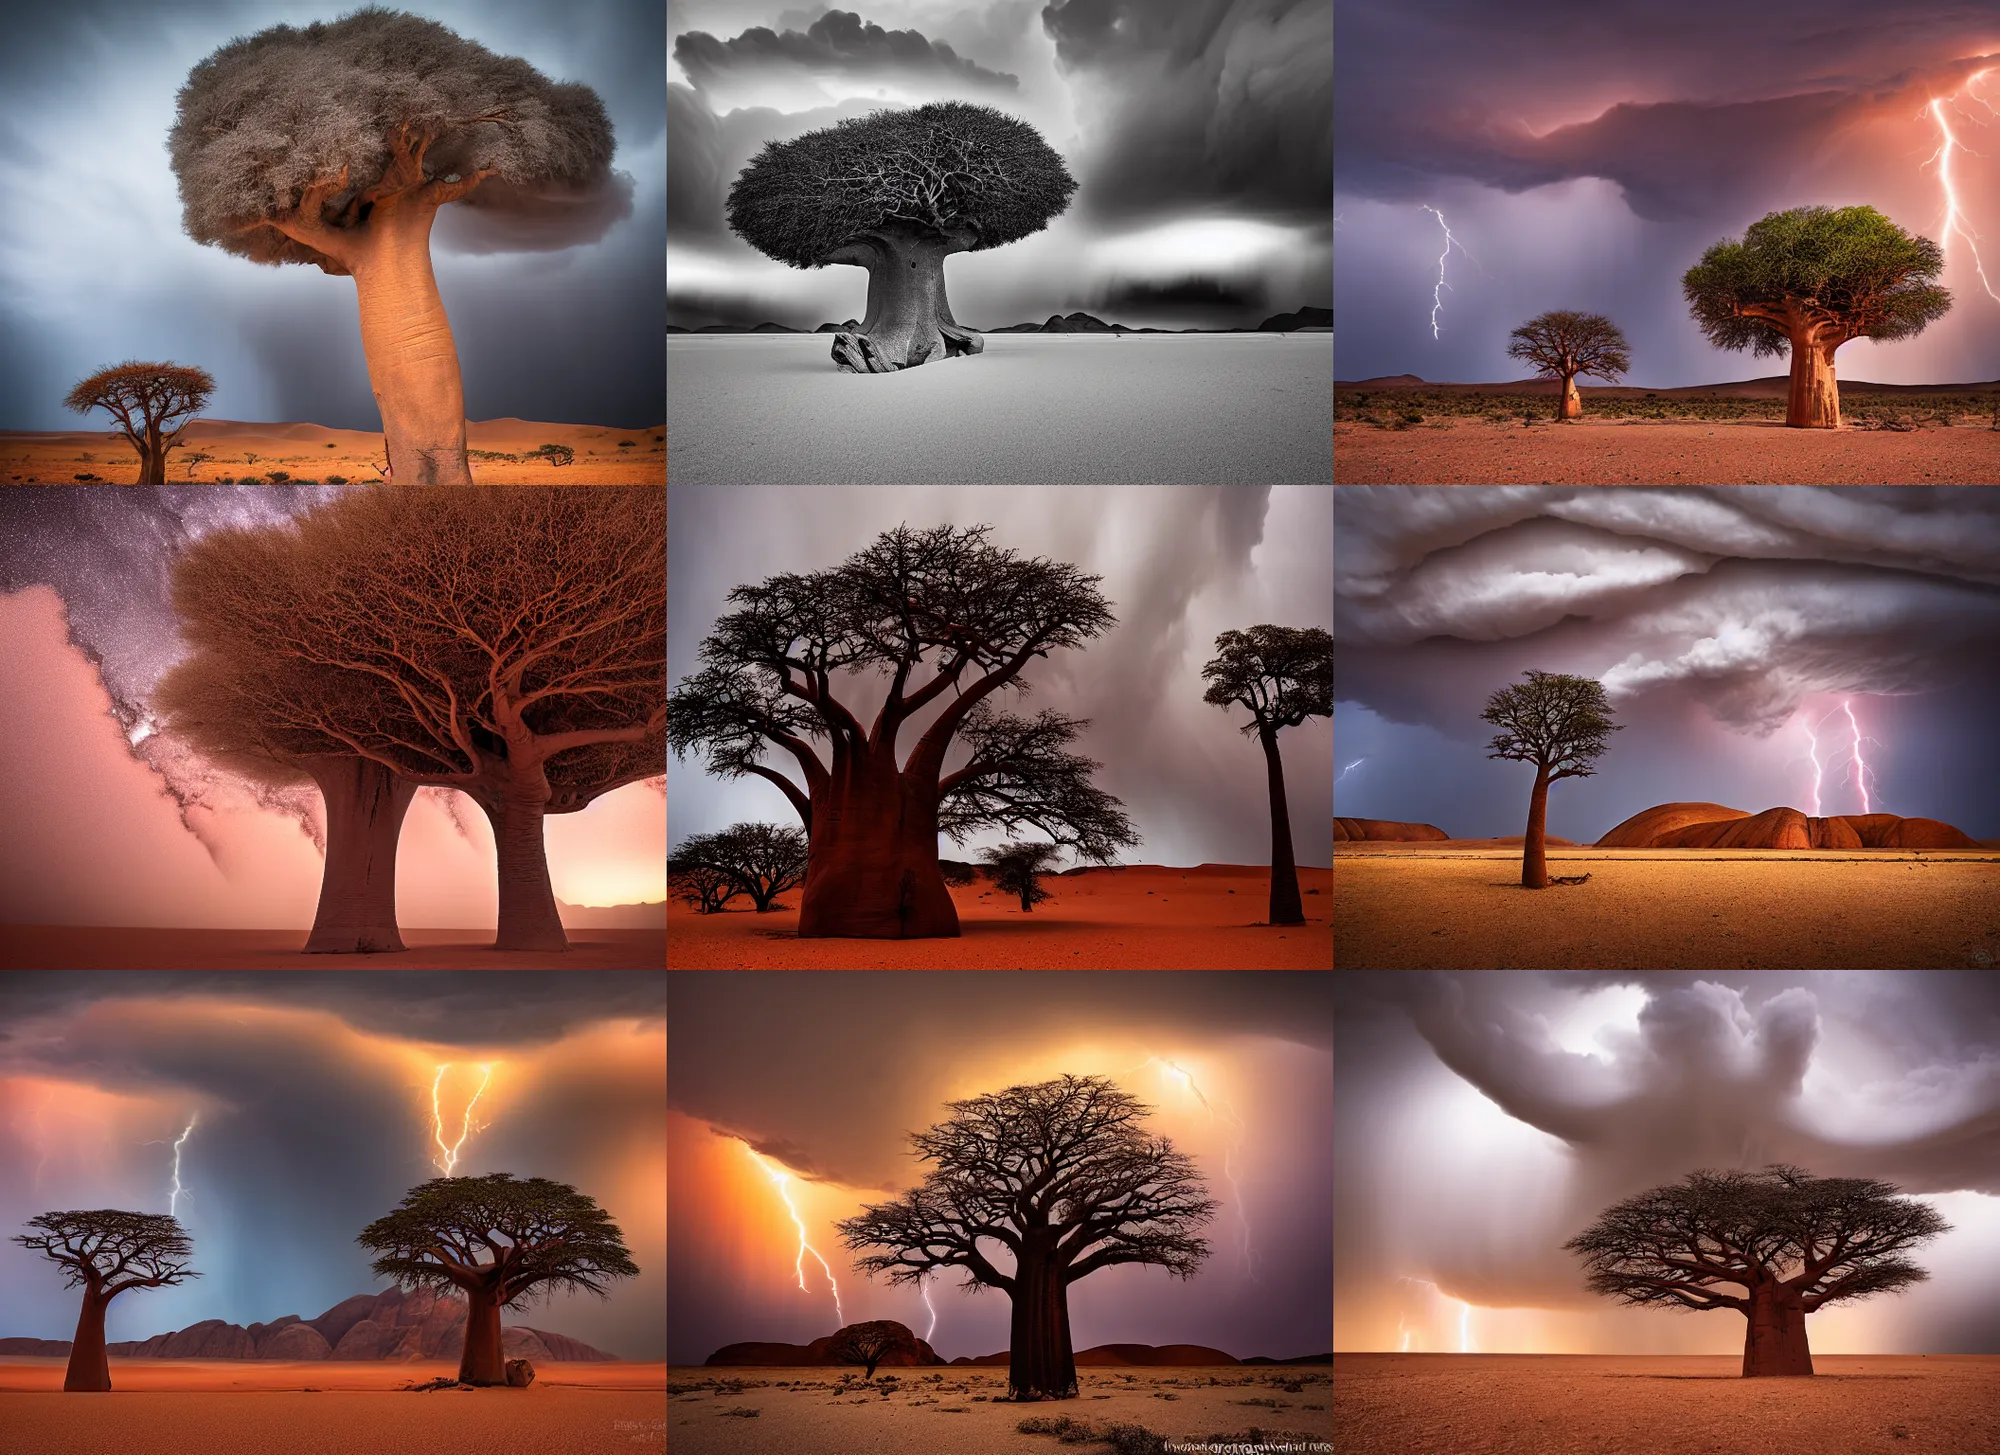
(1187, 293)
(694, 164)
(840, 42)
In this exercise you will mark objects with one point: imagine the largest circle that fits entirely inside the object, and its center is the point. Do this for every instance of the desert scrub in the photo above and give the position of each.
(743, 1412)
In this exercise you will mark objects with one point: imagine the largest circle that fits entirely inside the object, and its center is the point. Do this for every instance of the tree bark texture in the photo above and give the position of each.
(89, 1371)
(1040, 1360)
(872, 866)
(528, 916)
(909, 319)
(1535, 848)
(365, 804)
(1775, 1342)
(1572, 402)
(481, 1361)
(412, 359)
(1286, 906)
(1813, 401)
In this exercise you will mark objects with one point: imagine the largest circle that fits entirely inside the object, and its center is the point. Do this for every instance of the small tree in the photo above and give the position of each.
(1559, 723)
(153, 404)
(105, 1253)
(1792, 1241)
(763, 859)
(1282, 675)
(1017, 869)
(1809, 280)
(866, 1343)
(703, 886)
(336, 145)
(557, 455)
(190, 462)
(1561, 345)
(500, 1242)
(897, 192)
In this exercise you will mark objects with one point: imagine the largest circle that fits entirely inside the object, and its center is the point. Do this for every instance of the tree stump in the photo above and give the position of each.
(520, 1373)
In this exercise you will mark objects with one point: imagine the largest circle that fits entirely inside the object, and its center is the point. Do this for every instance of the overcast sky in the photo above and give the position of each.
(1586, 161)
(1482, 1120)
(114, 823)
(94, 267)
(1180, 565)
(310, 1098)
(1729, 626)
(809, 1071)
(1200, 130)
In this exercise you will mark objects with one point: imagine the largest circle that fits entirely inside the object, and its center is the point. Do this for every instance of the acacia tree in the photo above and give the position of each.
(940, 601)
(153, 404)
(336, 145)
(1017, 869)
(1792, 1241)
(1561, 724)
(106, 1253)
(761, 859)
(1282, 675)
(1058, 1179)
(897, 192)
(702, 886)
(501, 1242)
(1561, 345)
(1809, 280)
(866, 1343)
(507, 643)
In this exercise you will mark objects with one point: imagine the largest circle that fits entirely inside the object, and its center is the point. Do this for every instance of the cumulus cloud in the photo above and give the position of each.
(839, 44)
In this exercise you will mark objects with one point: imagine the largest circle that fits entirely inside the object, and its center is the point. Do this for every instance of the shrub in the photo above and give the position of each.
(279, 477)
(251, 480)
(336, 479)
(554, 454)
(624, 444)
(87, 477)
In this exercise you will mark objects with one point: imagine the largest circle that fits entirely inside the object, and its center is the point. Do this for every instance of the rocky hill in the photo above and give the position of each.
(907, 1350)
(1712, 826)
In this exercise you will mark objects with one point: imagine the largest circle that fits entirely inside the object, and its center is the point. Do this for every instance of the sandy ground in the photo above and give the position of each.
(1419, 907)
(87, 947)
(1645, 452)
(952, 1411)
(1139, 918)
(312, 452)
(1455, 1404)
(216, 1407)
(1033, 409)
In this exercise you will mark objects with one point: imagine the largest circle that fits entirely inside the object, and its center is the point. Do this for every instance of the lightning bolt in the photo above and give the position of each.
(1348, 769)
(447, 1160)
(924, 1285)
(1954, 216)
(1404, 1332)
(1168, 1068)
(1464, 1315)
(175, 1192)
(1817, 771)
(1450, 242)
(1861, 767)
(783, 1180)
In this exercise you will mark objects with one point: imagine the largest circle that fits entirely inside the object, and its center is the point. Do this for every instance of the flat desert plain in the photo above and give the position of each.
(1649, 452)
(259, 1407)
(953, 1411)
(1033, 409)
(1139, 917)
(312, 452)
(1440, 907)
(91, 947)
(1560, 1404)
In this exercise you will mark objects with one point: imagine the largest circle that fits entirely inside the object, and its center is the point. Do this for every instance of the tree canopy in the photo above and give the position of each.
(1017, 869)
(762, 860)
(1281, 675)
(967, 173)
(1847, 272)
(866, 1343)
(153, 404)
(1561, 345)
(1557, 722)
(109, 1251)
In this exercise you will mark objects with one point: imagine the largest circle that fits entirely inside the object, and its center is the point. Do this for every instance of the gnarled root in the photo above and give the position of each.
(960, 341)
(856, 353)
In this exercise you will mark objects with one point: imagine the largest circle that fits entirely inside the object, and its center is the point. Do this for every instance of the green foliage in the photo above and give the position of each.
(1848, 267)
(1558, 722)
(1561, 344)
(554, 454)
(112, 1249)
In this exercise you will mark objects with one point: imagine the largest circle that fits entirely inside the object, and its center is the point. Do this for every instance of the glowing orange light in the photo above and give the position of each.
(447, 1160)
(782, 1181)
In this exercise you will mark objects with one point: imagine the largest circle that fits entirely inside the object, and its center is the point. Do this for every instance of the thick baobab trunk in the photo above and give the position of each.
(1572, 402)
(1775, 1342)
(1814, 398)
(908, 319)
(872, 867)
(89, 1370)
(1535, 848)
(1040, 1361)
(481, 1361)
(412, 360)
(528, 916)
(365, 804)
(1286, 906)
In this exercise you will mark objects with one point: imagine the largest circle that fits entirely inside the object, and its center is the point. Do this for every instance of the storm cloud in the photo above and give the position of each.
(839, 42)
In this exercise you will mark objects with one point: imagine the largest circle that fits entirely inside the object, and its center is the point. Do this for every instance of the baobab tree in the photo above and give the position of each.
(507, 643)
(153, 404)
(1792, 1241)
(1281, 675)
(940, 601)
(1809, 280)
(106, 1253)
(763, 860)
(337, 144)
(898, 192)
(1562, 725)
(500, 1241)
(1561, 345)
(1017, 869)
(1057, 1180)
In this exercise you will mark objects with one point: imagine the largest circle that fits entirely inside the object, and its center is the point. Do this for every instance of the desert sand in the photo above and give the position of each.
(952, 1411)
(1529, 1404)
(1053, 409)
(1140, 917)
(1449, 907)
(1647, 452)
(217, 1407)
(312, 452)
(89, 947)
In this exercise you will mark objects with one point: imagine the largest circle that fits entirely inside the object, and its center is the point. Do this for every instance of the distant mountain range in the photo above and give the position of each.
(1310, 319)
(648, 915)
(1773, 386)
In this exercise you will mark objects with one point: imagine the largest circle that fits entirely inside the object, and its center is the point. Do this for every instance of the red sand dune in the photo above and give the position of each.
(1351, 830)
(1711, 826)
